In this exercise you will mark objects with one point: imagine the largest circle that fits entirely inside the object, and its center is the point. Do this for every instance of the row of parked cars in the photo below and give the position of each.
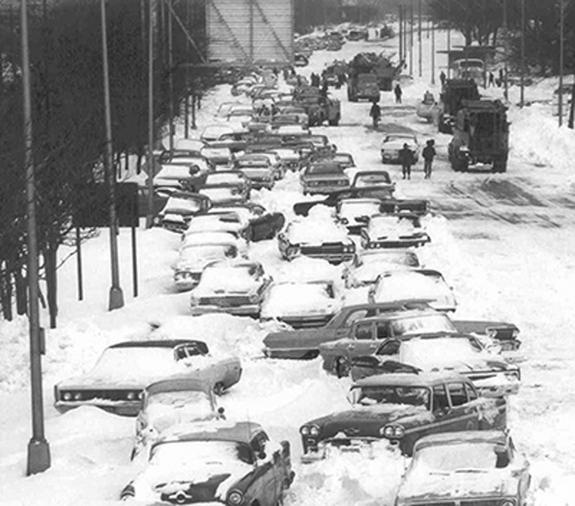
(424, 383)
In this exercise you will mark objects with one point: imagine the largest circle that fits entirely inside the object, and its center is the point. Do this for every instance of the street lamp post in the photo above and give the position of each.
(522, 96)
(38, 457)
(561, 57)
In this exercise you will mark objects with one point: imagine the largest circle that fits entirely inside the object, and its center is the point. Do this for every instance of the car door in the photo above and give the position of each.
(363, 340)
(464, 415)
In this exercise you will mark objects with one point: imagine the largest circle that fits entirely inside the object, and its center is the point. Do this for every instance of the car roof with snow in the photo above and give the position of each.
(179, 384)
(155, 343)
(242, 432)
(423, 379)
(408, 313)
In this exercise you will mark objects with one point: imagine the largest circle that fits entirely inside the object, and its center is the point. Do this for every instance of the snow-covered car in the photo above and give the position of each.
(179, 176)
(257, 170)
(301, 304)
(179, 209)
(237, 288)
(289, 158)
(373, 183)
(221, 158)
(217, 463)
(428, 108)
(226, 188)
(448, 352)
(305, 343)
(355, 213)
(215, 222)
(366, 335)
(122, 372)
(318, 237)
(226, 107)
(402, 408)
(394, 142)
(171, 402)
(323, 177)
(465, 468)
(189, 145)
(371, 263)
(393, 231)
(214, 132)
(193, 259)
(419, 284)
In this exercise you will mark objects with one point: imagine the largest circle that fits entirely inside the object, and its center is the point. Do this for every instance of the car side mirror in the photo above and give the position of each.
(221, 412)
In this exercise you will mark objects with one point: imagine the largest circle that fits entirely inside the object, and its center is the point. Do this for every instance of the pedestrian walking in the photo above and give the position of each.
(375, 113)
(442, 78)
(398, 93)
(428, 156)
(407, 159)
(491, 79)
(501, 77)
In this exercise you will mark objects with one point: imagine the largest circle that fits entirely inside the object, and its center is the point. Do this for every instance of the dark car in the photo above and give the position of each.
(124, 369)
(215, 463)
(323, 177)
(179, 209)
(305, 343)
(402, 408)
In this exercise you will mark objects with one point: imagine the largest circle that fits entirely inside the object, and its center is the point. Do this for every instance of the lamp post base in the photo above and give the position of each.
(116, 300)
(38, 456)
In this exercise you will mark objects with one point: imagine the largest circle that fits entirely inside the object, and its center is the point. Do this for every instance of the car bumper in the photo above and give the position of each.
(247, 310)
(185, 285)
(122, 408)
(324, 189)
(397, 243)
(330, 257)
(291, 353)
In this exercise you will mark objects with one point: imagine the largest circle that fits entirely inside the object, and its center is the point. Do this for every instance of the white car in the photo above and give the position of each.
(214, 132)
(471, 467)
(237, 288)
(215, 222)
(189, 145)
(393, 231)
(174, 401)
(372, 263)
(193, 259)
(420, 284)
(218, 157)
(214, 236)
(355, 213)
(393, 143)
(173, 176)
(301, 304)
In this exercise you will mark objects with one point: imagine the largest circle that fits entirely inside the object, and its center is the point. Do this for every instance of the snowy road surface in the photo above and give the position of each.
(504, 242)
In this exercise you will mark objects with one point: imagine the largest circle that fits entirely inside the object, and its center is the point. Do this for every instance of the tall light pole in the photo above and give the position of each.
(432, 52)
(38, 456)
(150, 162)
(522, 96)
(448, 51)
(561, 57)
(420, 56)
(506, 55)
(116, 298)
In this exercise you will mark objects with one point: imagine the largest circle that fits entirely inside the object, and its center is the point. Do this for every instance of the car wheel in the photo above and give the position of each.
(342, 367)
(219, 388)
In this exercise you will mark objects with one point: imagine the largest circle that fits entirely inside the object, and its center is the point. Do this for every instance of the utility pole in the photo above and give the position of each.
(150, 162)
(506, 55)
(561, 56)
(171, 76)
(448, 52)
(116, 297)
(522, 99)
(432, 52)
(411, 21)
(400, 33)
(38, 448)
(420, 15)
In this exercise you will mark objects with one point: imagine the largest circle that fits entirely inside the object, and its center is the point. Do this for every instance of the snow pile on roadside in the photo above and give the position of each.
(536, 138)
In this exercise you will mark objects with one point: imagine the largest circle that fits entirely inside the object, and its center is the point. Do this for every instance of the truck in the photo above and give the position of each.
(319, 108)
(480, 136)
(453, 93)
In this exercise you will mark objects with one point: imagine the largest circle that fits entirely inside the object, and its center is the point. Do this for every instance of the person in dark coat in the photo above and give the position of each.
(398, 93)
(428, 156)
(491, 79)
(375, 113)
(407, 159)
(442, 78)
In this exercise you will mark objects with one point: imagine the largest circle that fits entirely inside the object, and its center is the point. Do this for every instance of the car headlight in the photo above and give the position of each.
(235, 497)
(194, 301)
(508, 503)
(67, 396)
(131, 396)
(345, 221)
(392, 431)
(314, 431)
(78, 397)
(304, 431)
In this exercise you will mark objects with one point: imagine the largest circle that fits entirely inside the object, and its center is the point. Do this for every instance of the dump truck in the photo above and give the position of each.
(319, 108)
(453, 93)
(362, 68)
(480, 136)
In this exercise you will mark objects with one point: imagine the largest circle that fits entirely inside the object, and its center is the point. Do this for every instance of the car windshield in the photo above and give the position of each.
(260, 163)
(399, 137)
(422, 324)
(181, 205)
(358, 208)
(413, 396)
(438, 352)
(192, 252)
(231, 279)
(179, 453)
(390, 224)
(213, 179)
(324, 168)
(197, 400)
(365, 180)
(175, 172)
(460, 456)
(411, 285)
(406, 258)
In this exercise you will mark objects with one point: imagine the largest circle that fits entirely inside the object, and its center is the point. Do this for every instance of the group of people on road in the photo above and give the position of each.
(406, 155)
(407, 159)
